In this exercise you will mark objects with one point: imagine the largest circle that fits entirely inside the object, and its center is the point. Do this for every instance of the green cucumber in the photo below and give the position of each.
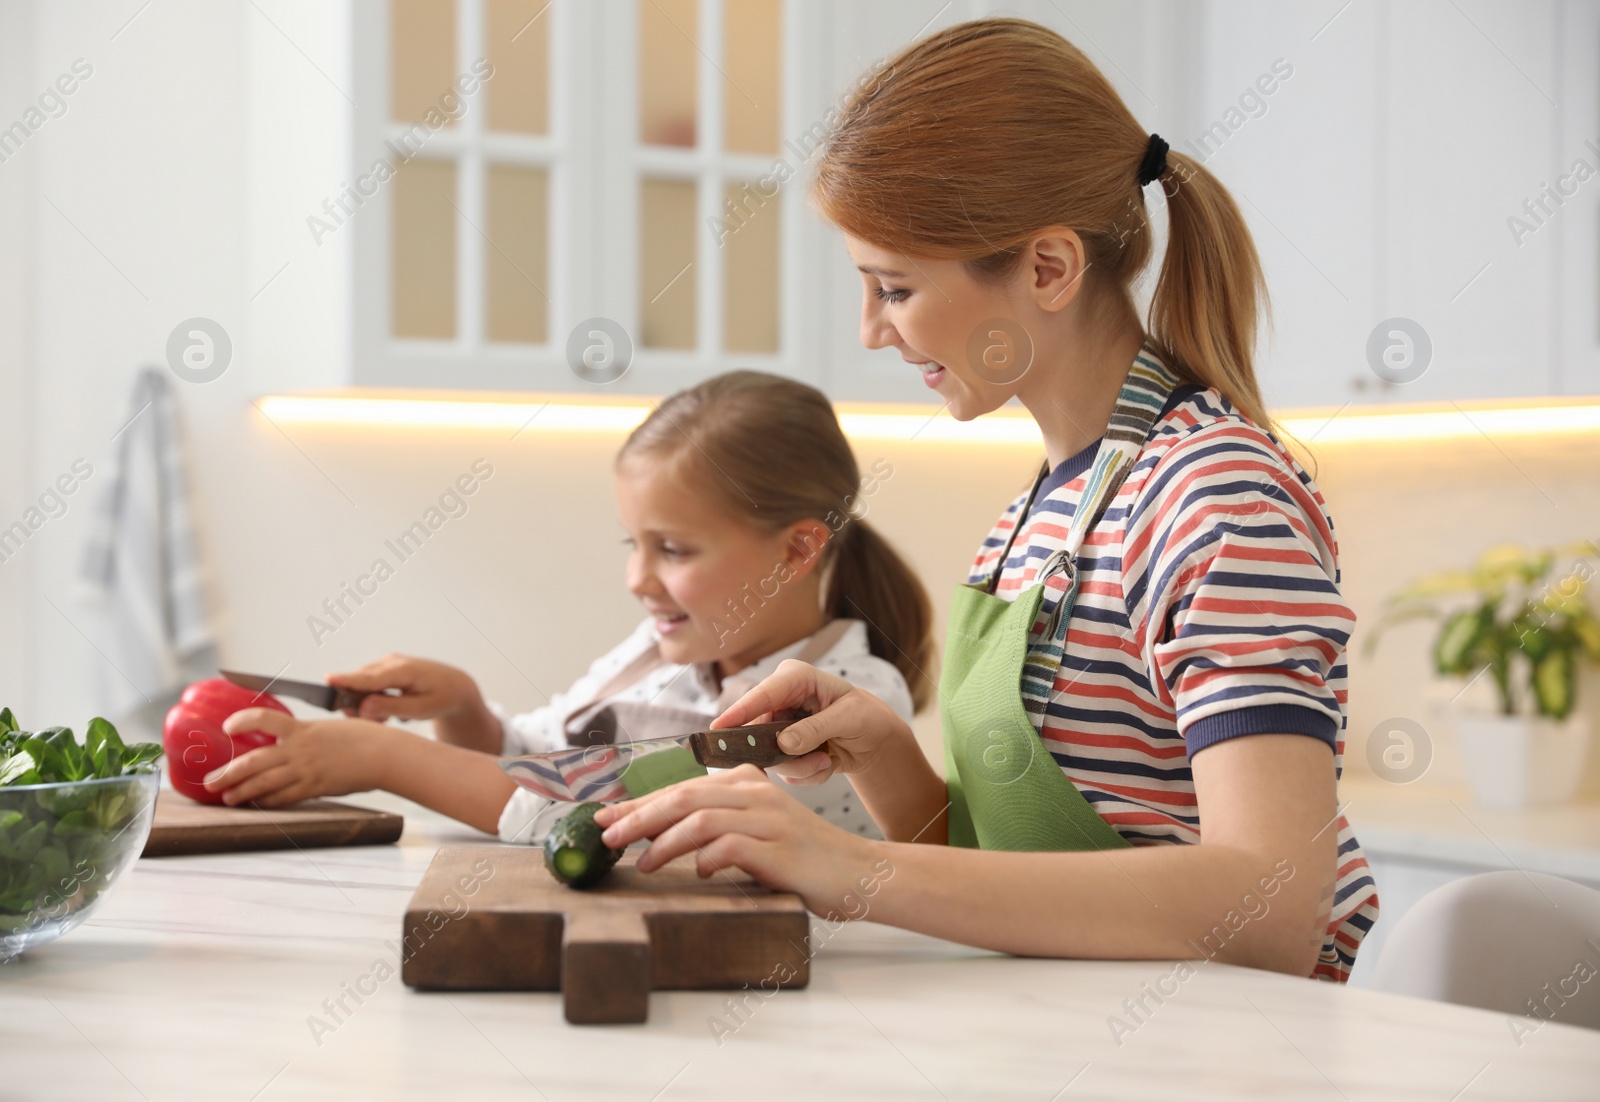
(573, 851)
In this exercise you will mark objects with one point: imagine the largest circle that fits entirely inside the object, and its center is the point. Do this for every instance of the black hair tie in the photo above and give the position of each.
(1155, 160)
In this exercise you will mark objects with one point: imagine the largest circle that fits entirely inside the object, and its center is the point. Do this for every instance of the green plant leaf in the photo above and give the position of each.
(1461, 638)
(1398, 614)
(1586, 630)
(1534, 639)
(1444, 584)
(1554, 683)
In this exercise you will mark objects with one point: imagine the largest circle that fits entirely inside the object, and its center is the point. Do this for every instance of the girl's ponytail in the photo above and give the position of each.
(1210, 291)
(872, 583)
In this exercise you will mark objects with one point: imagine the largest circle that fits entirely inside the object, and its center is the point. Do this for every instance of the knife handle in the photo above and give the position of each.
(347, 698)
(352, 698)
(754, 744)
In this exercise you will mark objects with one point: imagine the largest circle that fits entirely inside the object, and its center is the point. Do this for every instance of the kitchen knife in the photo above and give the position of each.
(623, 770)
(326, 697)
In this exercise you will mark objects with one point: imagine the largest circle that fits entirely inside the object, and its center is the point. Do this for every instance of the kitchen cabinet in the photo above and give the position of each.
(1380, 181)
(1382, 176)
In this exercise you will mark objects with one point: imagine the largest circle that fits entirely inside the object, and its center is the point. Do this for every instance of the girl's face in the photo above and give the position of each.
(972, 341)
(688, 559)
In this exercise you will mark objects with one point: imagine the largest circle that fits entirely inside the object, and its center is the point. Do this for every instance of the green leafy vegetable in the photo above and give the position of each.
(55, 755)
(60, 846)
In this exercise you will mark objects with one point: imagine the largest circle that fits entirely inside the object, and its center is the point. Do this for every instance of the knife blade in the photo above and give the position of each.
(623, 770)
(327, 697)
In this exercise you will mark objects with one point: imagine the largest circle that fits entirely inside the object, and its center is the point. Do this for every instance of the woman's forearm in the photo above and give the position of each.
(466, 785)
(905, 797)
(1171, 902)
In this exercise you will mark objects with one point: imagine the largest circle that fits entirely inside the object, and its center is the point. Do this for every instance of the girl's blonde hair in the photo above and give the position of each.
(769, 450)
(966, 144)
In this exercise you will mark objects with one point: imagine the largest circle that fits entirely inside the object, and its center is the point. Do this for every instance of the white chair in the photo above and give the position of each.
(1526, 944)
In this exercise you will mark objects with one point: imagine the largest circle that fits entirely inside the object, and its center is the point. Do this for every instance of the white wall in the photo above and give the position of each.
(17, 301)
(147, 206)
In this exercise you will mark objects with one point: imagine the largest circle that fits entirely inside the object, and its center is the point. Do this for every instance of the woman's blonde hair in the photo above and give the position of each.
(966, 144)
(769, 450)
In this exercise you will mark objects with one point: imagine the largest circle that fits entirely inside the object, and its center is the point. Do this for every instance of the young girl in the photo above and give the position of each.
(1147, 665)
(745, 514)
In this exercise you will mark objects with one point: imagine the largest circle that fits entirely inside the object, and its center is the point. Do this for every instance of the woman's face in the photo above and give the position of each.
(688, 559)
(967, 338)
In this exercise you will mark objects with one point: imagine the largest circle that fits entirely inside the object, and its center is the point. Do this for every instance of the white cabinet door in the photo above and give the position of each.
(1301, 162)
(1378, 182)
(1470, 125)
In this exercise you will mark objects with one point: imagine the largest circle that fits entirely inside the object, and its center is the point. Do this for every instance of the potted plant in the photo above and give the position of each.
(1515, 618)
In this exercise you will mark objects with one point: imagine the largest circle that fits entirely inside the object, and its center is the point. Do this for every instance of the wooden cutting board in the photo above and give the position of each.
(488, 918)
(183, 826)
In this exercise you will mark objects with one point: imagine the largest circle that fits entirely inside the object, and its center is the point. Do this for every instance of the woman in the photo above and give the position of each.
(1152, 637)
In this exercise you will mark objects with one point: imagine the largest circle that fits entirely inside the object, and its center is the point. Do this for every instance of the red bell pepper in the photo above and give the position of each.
(194, 740)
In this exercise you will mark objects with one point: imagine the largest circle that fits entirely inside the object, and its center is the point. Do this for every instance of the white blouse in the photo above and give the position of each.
(528, 817)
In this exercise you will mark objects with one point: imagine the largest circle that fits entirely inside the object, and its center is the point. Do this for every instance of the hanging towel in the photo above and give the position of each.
(142, 562)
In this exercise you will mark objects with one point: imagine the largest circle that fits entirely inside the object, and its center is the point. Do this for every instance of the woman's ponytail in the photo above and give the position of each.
(872, 583)
(1210, 292)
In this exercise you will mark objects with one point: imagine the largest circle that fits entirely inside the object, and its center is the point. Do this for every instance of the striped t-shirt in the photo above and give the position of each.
(1208, 608)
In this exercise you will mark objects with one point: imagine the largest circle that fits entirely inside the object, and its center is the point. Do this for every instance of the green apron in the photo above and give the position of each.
(1006, 791)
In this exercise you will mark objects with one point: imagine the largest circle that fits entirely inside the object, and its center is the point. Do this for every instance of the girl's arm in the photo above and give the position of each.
(334, 757)
(428, 690)
(466, 785)
(1256, 891)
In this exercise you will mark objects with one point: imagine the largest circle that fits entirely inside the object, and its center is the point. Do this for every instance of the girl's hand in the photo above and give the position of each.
(737, 818)
(329, 757)
(849, 731)
(428, 690)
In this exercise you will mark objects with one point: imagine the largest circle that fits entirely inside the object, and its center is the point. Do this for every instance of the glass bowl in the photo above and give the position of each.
(62, 847)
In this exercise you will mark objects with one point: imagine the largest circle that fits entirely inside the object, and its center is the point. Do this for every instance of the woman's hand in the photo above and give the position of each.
(428, 690)
(329, 757)
(849, 731)
(738, 819)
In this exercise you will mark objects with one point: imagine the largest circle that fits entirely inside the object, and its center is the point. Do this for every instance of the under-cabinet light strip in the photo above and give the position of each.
(532, 415)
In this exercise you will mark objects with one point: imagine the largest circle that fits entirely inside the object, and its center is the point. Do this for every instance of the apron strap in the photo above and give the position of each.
(817, 646)
(824, 640)
(1139, 404)
(647, 660)
(1016, 526)
(1144, 395)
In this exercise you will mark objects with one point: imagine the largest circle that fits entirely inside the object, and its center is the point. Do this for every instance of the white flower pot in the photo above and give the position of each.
(1517, 762)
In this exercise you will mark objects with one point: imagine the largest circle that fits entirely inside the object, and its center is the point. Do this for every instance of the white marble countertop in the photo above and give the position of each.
(199, 977)
(1435, 824)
